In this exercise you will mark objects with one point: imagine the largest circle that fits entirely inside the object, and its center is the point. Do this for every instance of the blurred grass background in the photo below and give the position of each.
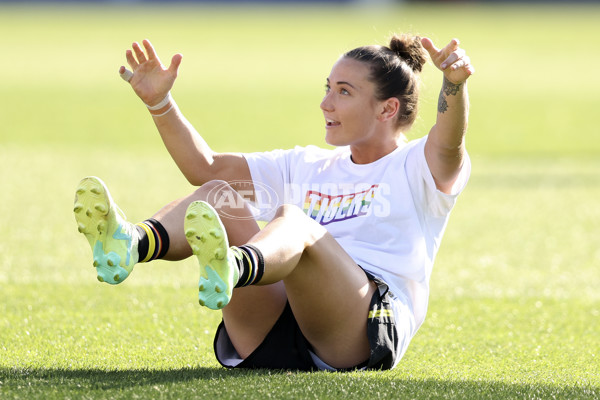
(514, 304)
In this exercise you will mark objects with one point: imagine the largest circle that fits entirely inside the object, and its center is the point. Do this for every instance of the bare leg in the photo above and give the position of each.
(327, 291)
(235, 215)
(329, 294)
(253, 310)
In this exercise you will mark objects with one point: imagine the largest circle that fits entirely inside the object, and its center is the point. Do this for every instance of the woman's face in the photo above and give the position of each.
(349, 106)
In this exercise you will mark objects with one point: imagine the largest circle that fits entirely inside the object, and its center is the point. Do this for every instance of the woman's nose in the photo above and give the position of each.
(326, 104)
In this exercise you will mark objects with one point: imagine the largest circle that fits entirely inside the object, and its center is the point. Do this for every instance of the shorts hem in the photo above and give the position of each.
(286, 348)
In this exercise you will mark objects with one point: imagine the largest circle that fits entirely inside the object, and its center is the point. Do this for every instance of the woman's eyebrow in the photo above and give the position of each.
(343, 83)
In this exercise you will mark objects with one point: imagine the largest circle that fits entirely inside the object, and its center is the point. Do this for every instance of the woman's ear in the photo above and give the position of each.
(389, 109)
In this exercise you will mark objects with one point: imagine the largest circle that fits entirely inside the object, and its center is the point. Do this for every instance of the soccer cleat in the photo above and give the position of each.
(113, 240)
(218, 267)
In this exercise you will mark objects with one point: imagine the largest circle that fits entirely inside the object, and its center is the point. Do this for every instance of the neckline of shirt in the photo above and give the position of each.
(347, 158)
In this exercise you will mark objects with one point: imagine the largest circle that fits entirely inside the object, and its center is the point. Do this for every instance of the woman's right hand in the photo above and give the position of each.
(150, 80)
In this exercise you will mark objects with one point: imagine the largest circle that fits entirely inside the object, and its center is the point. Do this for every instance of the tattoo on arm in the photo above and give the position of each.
(448, 89)
(442, 103)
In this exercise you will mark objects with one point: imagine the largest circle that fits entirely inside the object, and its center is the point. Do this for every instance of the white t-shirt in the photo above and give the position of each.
(387, 215)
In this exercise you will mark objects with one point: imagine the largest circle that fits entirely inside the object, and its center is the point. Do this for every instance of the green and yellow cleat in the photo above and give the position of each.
(113, 240)
(218, 267)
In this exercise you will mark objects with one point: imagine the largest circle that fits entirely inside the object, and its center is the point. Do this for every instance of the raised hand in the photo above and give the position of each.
(452, 60)
(150, 79)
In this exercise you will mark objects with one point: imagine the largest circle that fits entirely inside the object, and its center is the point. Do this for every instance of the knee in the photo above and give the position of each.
(301, 222)
(290, 211)
(213, 191)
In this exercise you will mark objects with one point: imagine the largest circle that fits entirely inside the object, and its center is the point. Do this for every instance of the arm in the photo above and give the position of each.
(152, 82)
(445, 146)
(196, 160)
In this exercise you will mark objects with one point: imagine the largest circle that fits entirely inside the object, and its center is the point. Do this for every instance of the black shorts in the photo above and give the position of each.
(285, 347)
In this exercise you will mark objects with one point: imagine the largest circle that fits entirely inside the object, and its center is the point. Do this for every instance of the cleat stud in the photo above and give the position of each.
(110, 263)
(191, 215)
(100, 207)
(201, 302)
(218, 289)
(216, 234)
(95, 190)
(190, 232)
(101, 226)
(220, 304)
(80, 191)
(116, 278)
(77, 208)
(201, 288)
(88, 213)
(202, 237)
(207, 215)
(96, 264)
(100, 278)
(81, 228)
(219, 254)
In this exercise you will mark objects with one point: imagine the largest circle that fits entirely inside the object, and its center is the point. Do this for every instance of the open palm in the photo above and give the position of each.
(151, 80)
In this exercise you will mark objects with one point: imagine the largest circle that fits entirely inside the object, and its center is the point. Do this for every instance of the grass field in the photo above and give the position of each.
(515, 299)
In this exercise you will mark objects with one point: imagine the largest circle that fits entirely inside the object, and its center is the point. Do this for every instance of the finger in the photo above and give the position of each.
(452, 58)
(131, 60)
(125, 74)
(149, 49)
(457, 65)
(175, 63)
(463, 62)
(468, 67)
(430, 47)
(452, 46)
(139, 53)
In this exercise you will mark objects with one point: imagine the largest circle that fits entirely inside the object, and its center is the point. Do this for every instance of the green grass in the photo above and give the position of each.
(515, 306)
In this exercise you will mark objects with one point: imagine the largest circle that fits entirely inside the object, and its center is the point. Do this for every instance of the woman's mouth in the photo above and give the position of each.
(330, 123)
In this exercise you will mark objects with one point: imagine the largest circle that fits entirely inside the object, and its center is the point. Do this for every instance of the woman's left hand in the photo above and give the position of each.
(451, 60)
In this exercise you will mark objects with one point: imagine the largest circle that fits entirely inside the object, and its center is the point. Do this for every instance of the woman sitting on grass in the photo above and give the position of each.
(339, 277)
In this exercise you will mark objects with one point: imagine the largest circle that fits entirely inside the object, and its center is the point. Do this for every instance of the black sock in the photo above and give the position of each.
(142, 244)
(154, 240)
(251, 265)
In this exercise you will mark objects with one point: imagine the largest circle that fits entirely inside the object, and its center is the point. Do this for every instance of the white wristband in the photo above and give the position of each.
(166, 112)
(162, 103)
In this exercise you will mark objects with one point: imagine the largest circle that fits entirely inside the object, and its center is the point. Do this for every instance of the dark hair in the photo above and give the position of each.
(394, 71)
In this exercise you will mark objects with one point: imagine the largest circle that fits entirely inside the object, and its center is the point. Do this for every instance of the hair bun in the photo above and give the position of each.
(410, 49)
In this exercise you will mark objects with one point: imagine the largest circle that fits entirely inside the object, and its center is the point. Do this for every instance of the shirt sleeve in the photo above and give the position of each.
(435, 202)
